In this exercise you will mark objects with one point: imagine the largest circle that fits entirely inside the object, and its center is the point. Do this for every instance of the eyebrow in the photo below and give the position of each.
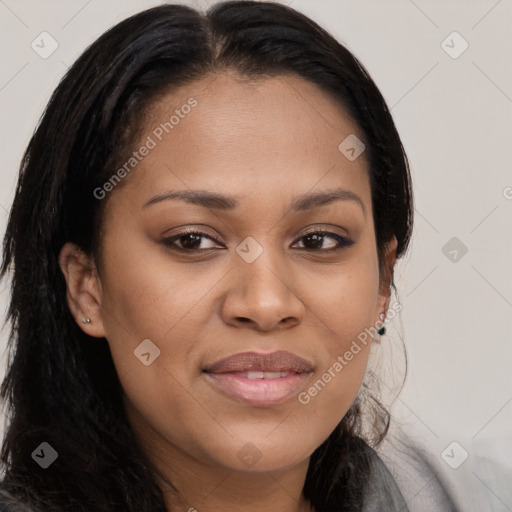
(218, 201)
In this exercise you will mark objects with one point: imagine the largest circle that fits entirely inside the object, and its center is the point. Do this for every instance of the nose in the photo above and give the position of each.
(261, 296)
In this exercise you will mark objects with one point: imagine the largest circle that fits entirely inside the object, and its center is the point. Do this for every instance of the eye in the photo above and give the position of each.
(189, 241)
(315, 241)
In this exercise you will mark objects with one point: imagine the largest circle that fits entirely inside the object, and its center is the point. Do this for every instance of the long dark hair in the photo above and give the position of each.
(61, 387)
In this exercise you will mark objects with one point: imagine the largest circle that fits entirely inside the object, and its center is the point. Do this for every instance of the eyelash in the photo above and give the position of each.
(342, 242)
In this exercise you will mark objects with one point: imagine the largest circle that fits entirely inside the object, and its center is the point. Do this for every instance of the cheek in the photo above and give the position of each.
(146, 296)
(163, 305)
(347, 306)
(348, 303)
(172, 420)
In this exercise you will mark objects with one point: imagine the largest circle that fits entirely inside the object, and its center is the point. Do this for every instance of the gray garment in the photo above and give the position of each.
(421, 481)
(382, 493)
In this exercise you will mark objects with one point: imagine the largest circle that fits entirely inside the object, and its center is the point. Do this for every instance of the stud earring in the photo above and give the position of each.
(380, 332)
(86, 320)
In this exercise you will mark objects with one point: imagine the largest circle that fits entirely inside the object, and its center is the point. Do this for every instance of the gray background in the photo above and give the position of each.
(454, 117)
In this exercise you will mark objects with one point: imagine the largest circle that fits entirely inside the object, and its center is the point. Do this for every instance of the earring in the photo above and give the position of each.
(86, 320)
(380, 333)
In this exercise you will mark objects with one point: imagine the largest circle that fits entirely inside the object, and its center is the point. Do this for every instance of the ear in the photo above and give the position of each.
(386, 278)
(83, 289)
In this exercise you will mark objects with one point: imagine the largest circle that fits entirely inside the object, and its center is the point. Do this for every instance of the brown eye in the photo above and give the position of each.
(314, 241)
(189, 241)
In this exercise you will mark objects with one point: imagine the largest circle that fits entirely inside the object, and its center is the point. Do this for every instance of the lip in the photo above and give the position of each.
(239, 376)
(280, 361)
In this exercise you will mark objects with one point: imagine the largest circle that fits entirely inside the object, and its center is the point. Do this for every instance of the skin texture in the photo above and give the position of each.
(263, 143)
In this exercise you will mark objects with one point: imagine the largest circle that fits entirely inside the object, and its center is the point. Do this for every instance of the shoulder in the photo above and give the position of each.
(381, 491)
(422, 483)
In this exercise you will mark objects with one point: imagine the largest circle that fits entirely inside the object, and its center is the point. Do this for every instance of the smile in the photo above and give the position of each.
(259, 379)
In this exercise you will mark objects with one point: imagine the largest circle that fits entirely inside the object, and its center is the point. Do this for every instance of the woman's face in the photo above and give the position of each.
(262, 172)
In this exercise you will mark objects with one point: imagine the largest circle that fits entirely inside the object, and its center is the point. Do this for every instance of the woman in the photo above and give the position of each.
(203, 240)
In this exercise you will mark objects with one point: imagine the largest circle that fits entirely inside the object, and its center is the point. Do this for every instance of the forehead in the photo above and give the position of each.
(266, 138)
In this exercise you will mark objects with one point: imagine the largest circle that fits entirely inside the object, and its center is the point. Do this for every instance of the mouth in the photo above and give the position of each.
(259, 379)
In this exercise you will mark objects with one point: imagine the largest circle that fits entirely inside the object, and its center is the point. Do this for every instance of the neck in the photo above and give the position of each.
(210, 489)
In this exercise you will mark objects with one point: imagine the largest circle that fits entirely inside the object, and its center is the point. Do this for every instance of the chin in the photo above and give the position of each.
(260, 454)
